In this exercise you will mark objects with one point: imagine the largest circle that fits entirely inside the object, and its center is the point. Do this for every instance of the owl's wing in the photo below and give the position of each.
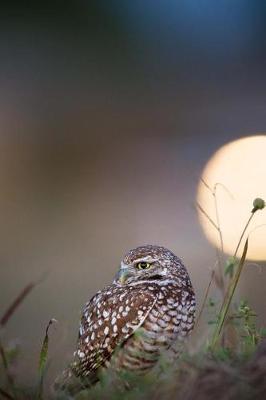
(108, 320)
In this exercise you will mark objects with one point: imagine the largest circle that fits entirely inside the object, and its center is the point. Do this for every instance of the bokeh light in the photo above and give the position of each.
(239, 170)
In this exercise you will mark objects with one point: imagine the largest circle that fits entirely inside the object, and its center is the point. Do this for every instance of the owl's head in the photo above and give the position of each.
(149, 264)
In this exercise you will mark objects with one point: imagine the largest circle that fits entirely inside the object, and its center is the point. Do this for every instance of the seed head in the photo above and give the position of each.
(258, 204)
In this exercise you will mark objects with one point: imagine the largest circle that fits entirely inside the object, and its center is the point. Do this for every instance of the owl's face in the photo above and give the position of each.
(148, 263)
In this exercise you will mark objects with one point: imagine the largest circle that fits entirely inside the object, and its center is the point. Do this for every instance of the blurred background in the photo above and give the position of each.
(109, 111)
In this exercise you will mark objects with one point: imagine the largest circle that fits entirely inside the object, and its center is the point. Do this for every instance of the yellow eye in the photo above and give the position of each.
(143, 265)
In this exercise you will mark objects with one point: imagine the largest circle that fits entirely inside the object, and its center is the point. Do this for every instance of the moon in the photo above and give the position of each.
(238, 171)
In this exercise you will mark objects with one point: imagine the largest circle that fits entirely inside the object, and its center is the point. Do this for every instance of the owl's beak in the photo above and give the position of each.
(122, 276)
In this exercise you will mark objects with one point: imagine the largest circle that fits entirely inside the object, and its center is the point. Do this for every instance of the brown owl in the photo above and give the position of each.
(148, 308)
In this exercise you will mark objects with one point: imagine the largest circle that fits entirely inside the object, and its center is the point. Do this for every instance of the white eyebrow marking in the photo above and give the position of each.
(147, 258)
(123, 265)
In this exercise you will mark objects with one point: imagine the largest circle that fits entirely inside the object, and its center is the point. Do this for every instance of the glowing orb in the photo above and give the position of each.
(240, 168)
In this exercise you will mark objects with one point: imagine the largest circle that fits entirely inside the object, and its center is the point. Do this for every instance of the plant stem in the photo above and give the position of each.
(228, 299)
(206, 295)
(8, 376)
(220, 253)
(243, 233)
(207, 216)
(232, 286)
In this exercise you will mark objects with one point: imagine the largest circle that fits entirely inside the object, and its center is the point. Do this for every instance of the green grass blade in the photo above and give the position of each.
(43, 356)
(228, 299)
(44, 348)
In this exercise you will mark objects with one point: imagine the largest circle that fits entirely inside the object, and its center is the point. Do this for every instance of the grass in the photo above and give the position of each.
(229, 364)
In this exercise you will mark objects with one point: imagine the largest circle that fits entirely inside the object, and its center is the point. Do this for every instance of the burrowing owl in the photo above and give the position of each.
(149, 306)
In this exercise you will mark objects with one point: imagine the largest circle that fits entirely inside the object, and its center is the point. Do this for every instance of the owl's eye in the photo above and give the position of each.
(143, 265)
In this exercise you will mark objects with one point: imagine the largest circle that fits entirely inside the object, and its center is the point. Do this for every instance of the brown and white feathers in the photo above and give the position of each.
(149, 306)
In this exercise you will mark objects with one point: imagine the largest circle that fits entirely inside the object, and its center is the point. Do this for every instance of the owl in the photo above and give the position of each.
(148, 308)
